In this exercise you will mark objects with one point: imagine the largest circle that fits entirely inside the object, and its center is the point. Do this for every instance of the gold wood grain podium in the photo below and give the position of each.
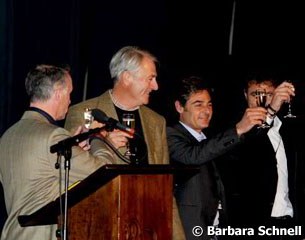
(117, 202)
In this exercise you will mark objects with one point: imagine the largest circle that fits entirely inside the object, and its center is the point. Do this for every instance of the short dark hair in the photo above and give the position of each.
(40, 81)
(189, 85)
(260, 76)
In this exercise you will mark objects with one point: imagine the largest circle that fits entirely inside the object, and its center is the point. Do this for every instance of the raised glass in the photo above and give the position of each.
(128, 119)
(261, 100)
(289, 113)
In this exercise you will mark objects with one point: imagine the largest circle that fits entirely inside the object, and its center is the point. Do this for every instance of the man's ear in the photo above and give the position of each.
(57, 95)
(127, 78)
(178, 107)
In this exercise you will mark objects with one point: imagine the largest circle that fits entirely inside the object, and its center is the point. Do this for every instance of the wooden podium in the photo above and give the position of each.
(117, 202)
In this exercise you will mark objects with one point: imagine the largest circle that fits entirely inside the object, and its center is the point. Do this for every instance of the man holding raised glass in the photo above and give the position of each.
(135, 76)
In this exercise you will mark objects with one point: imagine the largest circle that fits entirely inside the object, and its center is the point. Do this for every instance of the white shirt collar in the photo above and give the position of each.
(277, 123)
(199, 136)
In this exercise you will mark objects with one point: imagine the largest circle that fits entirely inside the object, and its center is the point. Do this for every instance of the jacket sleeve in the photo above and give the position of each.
(184, 150)
(83, 163)
(74, 118)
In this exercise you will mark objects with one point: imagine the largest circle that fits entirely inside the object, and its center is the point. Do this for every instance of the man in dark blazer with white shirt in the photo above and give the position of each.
(201, 198)
(268, 167)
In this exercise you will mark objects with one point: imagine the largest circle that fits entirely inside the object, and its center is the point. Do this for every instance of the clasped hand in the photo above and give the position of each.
(282, 94)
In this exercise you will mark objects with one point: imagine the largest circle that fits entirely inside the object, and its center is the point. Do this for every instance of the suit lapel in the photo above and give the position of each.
(185, 132)
(148, 133)
(105, 104)
(211, 166)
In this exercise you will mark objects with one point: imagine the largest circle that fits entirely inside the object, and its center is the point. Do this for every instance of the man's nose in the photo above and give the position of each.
(154, 84)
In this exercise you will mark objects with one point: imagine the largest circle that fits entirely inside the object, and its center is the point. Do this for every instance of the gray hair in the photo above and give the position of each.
(41, 80)
(128, 58)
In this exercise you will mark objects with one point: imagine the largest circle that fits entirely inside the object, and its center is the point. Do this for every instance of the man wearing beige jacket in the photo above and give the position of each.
(134, 74)
(27, 168)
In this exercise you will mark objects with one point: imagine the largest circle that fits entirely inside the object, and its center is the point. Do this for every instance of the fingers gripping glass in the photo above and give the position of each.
(88, 118)
(289, 113)
(261, 100)
(128, 119)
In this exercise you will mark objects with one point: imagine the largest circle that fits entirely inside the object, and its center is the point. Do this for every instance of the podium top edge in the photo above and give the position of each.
(162, 168)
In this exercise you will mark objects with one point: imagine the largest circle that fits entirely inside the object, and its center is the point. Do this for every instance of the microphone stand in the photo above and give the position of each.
(64, 148)
(67, 155)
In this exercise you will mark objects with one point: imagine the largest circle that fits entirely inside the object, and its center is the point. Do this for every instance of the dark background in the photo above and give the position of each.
(188, 37)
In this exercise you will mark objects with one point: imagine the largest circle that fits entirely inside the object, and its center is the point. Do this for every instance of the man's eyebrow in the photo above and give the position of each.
(196, 101)
(200, 101)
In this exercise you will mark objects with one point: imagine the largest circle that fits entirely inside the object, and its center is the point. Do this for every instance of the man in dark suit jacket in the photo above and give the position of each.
(268, 164)
(200, 199)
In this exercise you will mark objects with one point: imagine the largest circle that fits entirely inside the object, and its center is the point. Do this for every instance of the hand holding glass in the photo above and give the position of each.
(289, 113)
(261, 99)
(129, 121)
(88, 118)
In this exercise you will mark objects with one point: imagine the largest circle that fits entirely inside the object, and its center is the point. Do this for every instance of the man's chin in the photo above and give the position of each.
(205, 125)
(145, 101)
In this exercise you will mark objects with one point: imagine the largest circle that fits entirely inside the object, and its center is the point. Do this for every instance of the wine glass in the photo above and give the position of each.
(261, 99)
(128, 119)
(289, 113)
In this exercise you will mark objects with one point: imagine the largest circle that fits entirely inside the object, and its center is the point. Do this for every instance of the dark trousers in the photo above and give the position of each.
(285, 222)
(279, 223)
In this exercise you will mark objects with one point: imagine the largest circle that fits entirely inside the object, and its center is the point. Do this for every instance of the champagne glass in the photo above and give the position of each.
(88, 117)
(128, 119)
(289, 113)
(261, 99)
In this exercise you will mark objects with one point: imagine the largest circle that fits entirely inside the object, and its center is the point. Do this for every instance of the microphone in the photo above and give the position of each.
(72, 141)
(111, 123)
